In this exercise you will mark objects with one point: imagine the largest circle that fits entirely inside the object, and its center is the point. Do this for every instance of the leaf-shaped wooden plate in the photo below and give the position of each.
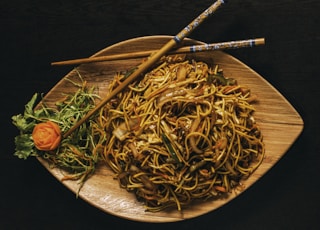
(274, 115)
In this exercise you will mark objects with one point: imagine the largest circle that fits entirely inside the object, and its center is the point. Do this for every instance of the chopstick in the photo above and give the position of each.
(187, 49)
(150, 61)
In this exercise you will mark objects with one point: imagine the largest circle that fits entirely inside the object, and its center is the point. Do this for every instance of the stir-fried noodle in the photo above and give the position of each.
(180, 133)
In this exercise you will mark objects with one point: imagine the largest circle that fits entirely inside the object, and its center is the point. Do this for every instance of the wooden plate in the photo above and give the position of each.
(273, 114)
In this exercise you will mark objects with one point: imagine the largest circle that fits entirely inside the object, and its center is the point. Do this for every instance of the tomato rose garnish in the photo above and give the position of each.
(46, 136)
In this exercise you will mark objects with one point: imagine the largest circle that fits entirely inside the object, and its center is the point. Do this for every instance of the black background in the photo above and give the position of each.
(35, 33)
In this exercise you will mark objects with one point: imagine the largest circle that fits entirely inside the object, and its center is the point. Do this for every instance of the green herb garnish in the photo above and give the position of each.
(77, 153)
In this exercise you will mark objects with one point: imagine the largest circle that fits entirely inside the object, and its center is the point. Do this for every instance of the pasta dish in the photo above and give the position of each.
(180, 133)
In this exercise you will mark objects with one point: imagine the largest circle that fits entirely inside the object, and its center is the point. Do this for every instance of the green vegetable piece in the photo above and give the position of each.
(168, 145)
(221, 79)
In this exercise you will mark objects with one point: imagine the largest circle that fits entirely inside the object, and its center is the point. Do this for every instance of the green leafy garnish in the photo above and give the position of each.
(77, 153)
(24, 146)
(25, 122)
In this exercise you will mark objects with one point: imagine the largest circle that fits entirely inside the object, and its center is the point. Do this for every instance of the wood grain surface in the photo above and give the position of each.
(274, 115)
(36, 33)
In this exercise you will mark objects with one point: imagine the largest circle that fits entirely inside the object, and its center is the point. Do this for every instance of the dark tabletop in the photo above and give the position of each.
(35, 33)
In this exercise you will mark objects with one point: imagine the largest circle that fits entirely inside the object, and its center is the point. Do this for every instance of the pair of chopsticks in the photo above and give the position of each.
(187, 49)
(156, 55)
